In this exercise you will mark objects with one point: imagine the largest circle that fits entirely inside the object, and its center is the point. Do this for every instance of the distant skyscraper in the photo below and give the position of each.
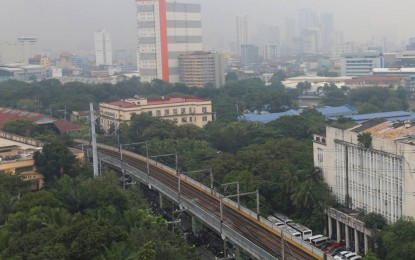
(249, 54)
(19, 52)
(273, 35)
(327, 27)
(289, 35)
(241, 31)
(307, 19)
(103, 48)
(166, 30)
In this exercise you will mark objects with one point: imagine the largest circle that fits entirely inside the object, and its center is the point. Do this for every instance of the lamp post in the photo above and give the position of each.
(121, 157)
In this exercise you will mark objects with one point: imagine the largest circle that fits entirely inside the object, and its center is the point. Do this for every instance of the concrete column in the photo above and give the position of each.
(330, 227)
(347, 231)
(338, 230)
(366, 244)
(161, 200)
(196, 226)
(356, 242)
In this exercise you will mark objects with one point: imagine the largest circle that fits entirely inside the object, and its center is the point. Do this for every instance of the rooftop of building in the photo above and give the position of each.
(390, 116)
(362, 55)
(10, 114)
(130, 103)
(390, 130)
(396, 70)
(6, 143)
(326, 111)
(373, 79)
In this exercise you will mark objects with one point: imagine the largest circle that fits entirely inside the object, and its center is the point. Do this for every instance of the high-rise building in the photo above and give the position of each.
(270, 52)
(327, 27)
(311, 40)
(249, 54)
(241, 31)
(273, 35)
(200, 68)
(19, 52)
(103, 48)
(307, 19)
(166, 30)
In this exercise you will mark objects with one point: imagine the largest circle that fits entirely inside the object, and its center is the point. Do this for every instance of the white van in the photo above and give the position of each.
(358, 257)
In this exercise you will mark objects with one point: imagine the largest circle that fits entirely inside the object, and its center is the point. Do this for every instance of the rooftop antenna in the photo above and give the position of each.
(94, 141)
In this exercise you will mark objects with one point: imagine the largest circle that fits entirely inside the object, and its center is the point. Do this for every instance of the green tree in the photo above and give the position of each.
(54, 160)
(20, 127)
(398, 239)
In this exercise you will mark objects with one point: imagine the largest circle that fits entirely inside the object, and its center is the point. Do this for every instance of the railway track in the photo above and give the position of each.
(258, 233)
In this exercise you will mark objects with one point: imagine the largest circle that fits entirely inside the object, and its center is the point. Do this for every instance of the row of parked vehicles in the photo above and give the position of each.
(323, 243)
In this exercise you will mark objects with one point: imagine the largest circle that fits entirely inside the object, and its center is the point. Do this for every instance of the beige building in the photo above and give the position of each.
(376, 178)
(17, 159)
(200, 68)
(181, 110)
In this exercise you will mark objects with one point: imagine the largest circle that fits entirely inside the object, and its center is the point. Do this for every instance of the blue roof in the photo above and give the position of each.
(327, 111)
(345, 110)
(265, 118)
(393, 115)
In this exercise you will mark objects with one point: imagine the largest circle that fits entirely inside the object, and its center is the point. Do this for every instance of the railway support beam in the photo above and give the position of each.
(196, 226)
(330, 227)
(161, 200)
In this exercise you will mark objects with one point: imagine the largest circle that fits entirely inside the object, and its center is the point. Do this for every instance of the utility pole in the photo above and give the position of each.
(94, 140)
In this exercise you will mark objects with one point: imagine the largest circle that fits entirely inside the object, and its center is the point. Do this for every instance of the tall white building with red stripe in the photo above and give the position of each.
(166, 30)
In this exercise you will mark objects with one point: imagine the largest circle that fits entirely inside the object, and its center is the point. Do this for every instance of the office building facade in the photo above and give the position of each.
(241, 32)
(103, 48)
(166, 30)
(361, 64)
(200, 68)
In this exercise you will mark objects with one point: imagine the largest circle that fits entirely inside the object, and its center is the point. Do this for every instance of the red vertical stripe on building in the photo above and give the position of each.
(163, 40)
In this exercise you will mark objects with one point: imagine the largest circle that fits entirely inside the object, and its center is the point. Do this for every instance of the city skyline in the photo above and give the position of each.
(60, 25)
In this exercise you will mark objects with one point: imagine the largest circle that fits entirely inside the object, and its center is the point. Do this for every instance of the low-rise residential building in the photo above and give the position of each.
(181, 110)
(16, 158)
(375, 175)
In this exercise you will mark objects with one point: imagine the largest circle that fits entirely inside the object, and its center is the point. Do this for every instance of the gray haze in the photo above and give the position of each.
(69, 24)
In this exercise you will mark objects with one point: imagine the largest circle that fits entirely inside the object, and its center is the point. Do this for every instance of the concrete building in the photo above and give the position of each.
(393, 72)
(249, 54)
(200, 68)
(241, 32)
(181, 110)
(166, 30)
(340, 48)
(18, 52)
(22, 72)
(271, 52)
(373, 81)
(376, 177)
(16, 158)
(311, 40)
(103, 48)
(361, 64)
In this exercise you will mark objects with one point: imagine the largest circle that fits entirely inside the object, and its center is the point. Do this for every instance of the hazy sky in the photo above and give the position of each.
(69, 24)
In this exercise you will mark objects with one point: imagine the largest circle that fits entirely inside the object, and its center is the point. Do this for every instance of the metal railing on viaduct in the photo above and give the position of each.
(254, 234)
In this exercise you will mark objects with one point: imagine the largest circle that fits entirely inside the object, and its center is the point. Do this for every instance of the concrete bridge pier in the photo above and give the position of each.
(196, 226)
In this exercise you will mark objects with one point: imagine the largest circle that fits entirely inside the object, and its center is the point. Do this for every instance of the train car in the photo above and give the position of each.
(305, 231)
(287, 229)
(282, 217)
(275, 221)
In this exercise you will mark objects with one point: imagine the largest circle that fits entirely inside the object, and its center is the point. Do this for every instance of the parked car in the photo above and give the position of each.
(349, 255)
(324, 245)
(336, 250)
(340, 255)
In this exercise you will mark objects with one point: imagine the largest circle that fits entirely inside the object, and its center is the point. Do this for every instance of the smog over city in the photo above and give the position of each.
(207, 129)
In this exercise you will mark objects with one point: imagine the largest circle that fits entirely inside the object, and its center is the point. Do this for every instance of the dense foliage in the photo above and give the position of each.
(82, 218)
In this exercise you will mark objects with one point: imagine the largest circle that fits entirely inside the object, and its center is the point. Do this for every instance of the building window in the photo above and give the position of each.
(191, 119)
(204, 119)
(166, 112)
(184, 119)
(175, 120)
(204, 109)
(183, 110)
(158, 112)
(175, 111)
